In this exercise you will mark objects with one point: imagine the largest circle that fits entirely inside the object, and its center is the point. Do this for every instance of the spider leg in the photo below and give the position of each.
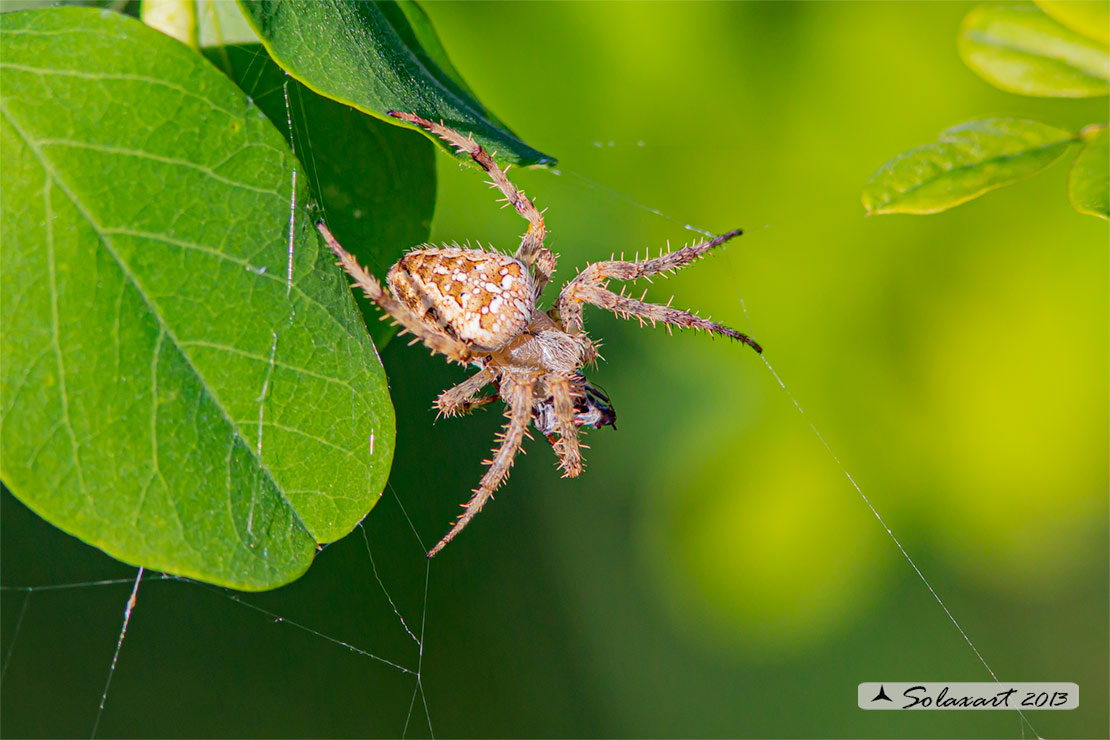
(531, 252)
(599, 272)
(520, 414)
(589, 287)
(432, 339)
(567, 447)
(624, 307)
(462, 399)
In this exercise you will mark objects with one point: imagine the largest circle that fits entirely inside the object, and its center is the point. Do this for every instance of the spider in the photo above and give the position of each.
(480, 308)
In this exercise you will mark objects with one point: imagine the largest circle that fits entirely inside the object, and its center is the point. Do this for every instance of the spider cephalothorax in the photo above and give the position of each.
(480, 309)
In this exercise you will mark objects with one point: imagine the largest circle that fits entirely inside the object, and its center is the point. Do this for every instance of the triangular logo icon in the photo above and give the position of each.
(882, 694)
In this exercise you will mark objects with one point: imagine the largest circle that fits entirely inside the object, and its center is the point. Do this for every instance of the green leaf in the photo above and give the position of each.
(168, 393)
(966, 161)
(1020, 49)
(175, 18)
(1089, 17)
(430, 49)
(377, 56)
(376, 182)
(220, 23)
(1089, 182)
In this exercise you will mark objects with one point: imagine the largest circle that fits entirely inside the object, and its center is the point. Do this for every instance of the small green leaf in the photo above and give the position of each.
(186, 382)
(966, 161)
(221, 23)
(1089, 17)
(1089, 182)
(377, 56)
(376, 182)
(175, 18)
(1020, 49)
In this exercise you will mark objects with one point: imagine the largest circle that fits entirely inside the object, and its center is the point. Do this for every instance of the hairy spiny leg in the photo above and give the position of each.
(567, 447)
(589, 287)
(463, 398)
(411, 322)
(519, 411)
(531, 251)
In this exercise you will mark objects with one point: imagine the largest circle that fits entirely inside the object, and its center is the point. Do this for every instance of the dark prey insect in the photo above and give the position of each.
(479, 309)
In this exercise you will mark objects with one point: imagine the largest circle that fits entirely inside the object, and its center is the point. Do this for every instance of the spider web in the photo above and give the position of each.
(410, 667)
(134, 589)
(617, 195)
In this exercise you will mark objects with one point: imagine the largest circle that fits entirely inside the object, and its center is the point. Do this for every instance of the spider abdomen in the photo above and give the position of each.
(483, 298)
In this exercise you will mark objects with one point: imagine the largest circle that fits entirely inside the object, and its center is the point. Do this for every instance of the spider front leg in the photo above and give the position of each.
(532, 251)
(461, 399)
(436, 341)
(519, 411)
(588, 287)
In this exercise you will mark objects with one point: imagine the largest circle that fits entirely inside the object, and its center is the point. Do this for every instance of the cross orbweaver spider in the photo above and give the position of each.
(480, 308)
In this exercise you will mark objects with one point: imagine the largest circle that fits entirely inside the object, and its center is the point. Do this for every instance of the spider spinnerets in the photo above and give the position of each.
(480, 309)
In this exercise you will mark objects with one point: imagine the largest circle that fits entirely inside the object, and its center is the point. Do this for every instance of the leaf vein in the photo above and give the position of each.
(48, 167)
(972, 165)
(303, 433)
(166, 239)
(123, 151)
(275, 362)
(1036, 55)
(121, 76)
(55, 336)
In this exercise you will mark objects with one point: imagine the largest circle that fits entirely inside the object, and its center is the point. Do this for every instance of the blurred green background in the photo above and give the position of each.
(713, 573)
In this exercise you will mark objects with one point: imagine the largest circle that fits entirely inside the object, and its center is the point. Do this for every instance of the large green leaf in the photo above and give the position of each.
(429, 48)
(377, 56)
(1020, 49)
(376, 182)
(1089, 182)
(186, 381)
(965, 162)
(1089, 17)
